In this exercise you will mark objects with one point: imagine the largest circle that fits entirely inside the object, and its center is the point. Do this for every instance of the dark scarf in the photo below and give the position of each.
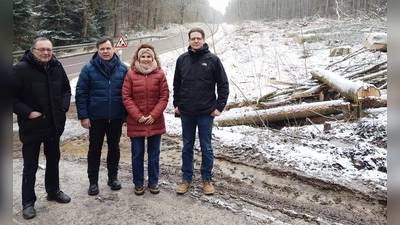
(108, 66)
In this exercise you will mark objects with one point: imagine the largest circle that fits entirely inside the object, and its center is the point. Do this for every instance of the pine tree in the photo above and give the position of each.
(93, 28)
(60, 21)
(22, 27)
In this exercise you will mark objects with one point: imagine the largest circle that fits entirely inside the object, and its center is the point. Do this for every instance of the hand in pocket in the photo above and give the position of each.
(37, 123)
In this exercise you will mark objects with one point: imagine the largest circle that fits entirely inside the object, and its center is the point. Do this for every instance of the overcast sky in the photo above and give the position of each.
(219, 5)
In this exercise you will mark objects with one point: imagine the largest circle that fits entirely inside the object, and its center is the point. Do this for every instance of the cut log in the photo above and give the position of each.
(366, 70)
(310, 38)
(351, 90)
(375, 41)
(278, 114)
(309, 92)
(373, 75)
(299, 38)
(327, 126)
(350, 111)
(285, 113)
(339, 51)
(283, 102)
(289, 34)
(266, 96)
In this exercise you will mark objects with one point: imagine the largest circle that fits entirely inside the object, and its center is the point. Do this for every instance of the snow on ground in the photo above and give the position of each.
(255, 52)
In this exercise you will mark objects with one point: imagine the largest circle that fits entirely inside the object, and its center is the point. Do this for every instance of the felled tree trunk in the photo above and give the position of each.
(285, 113)
(353, 91)
(260, 117)
(310, 38)
(309, 92)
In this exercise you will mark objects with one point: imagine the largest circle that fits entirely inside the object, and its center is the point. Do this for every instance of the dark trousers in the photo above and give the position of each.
(113, 130)
(30, 153)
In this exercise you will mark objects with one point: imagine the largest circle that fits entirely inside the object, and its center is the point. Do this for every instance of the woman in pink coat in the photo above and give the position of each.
(145, 95)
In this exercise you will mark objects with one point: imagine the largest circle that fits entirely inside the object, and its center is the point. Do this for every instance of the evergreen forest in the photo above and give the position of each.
(67, 22)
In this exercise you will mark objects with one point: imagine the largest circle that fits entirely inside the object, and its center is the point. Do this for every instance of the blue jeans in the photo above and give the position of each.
(204, 123)
(153, 155)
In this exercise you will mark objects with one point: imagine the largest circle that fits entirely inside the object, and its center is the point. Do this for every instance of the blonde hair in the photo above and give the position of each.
(136, 55)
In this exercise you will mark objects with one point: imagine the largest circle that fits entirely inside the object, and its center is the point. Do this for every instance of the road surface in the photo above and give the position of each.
(74, 64)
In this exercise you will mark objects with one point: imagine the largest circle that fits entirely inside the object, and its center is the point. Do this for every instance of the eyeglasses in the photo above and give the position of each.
(43, 49)
(196, 39)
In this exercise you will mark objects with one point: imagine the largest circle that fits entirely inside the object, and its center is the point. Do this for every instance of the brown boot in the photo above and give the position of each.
(208, 187)
(182, 188)
(139, 190)
(154, 189)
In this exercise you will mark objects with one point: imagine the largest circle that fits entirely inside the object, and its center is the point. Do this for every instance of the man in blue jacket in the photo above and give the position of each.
(197, 73)
(42, 96)
(99, 105)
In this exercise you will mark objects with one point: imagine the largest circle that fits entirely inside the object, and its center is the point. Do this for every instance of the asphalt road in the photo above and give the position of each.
(74, 64)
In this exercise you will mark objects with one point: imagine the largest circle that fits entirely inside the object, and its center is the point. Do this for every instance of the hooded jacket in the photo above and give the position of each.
(98, 93)
(46, 91)
(145, 95)
(197, 73)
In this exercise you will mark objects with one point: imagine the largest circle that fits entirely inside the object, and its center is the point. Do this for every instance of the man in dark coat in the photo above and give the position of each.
(99, 105)
(201, 90)
(41, 96)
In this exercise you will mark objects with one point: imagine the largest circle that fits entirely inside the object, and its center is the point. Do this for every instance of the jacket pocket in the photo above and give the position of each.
(38, 123)
(99, 107)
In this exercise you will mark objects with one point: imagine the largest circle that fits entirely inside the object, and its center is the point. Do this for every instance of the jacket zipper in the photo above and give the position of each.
(147, 103)
(109, 101)
(51, 95)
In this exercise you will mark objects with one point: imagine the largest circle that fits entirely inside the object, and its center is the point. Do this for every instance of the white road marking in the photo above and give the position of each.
(74, 64)
(73, 75)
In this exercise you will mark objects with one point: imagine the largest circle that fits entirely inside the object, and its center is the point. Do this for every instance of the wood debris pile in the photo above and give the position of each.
(332, 93)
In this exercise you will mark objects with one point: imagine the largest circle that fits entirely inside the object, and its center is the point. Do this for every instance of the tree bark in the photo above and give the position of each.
(307, 93)
(310, 38)
(375, 41)
(285, 113)
(115, 21)
(279, 114)
(84, 21)
(352, 91)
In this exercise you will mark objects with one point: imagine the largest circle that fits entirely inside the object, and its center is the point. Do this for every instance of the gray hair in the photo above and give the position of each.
(38, 39)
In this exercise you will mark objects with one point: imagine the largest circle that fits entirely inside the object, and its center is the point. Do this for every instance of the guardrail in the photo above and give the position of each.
(70, 50)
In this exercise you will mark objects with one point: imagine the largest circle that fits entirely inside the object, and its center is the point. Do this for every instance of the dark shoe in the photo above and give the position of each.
(139, 190)
(154, 189)
(93, 189)
(114, 184)
(28, 212)
(60, 197)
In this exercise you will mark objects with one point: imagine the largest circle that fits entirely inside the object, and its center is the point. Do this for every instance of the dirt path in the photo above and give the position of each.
(246, 193)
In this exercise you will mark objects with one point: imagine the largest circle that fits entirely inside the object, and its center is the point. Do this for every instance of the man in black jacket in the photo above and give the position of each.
(197, 73)
(41, 96)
